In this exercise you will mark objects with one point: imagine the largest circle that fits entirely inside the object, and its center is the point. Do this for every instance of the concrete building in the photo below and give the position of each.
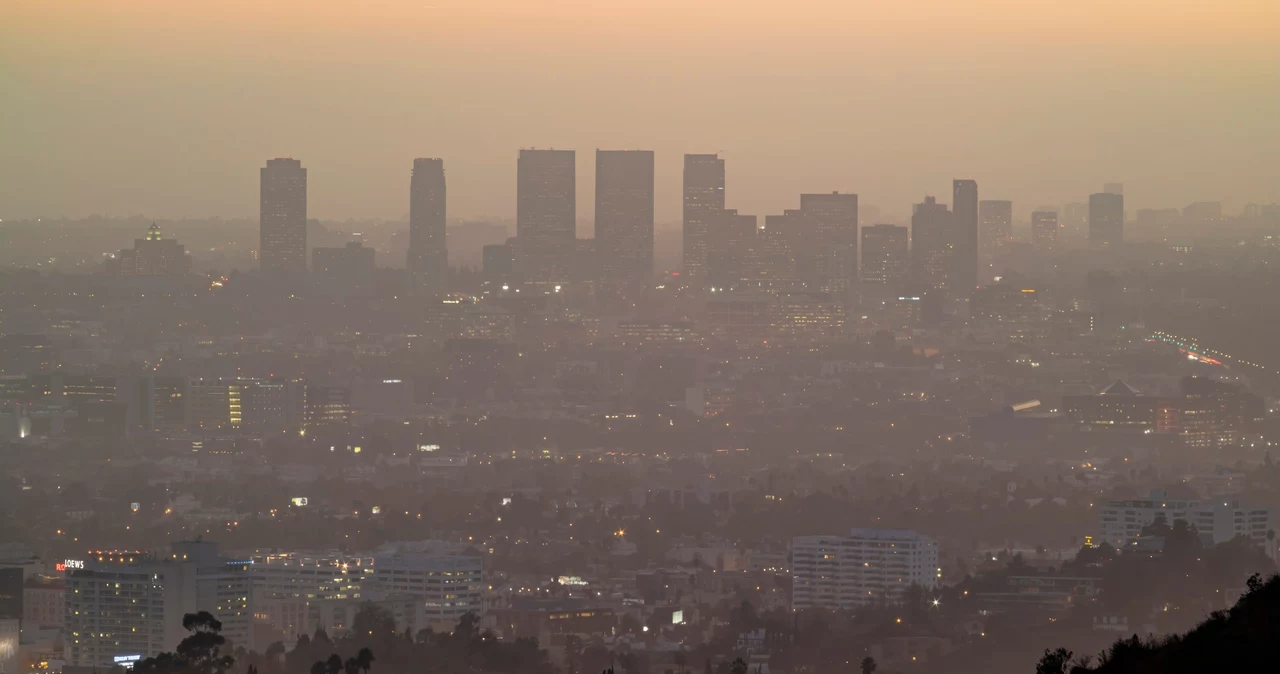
(703, 200)
(121, 605)
(153, 256)
(869, 566)
(1218, 521)
(448, 585)
(283, 217)
(428, 259)
(624, 214)
(546, 214)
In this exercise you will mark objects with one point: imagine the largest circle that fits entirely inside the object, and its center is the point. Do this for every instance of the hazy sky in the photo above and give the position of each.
(168, 108)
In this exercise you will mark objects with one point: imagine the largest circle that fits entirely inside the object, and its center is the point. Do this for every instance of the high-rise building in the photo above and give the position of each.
(1074, 221)
(283, 215)
(730, 239)
(869, 567)
(996, 219)
(153, 256)
(125, 606)
(624, 214)
(932, 244)
(428, 261)
(964, 205)
(285, 585)
(703, 201)
(886, 258)
(345, 272)
(546, 214)
(1113, 188)
(1106, 219)
(1044, 228)
(830, 239)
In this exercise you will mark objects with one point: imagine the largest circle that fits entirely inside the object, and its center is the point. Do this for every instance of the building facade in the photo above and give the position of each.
(283, 217)
(867, 567)
(428, 261)
(624, 214)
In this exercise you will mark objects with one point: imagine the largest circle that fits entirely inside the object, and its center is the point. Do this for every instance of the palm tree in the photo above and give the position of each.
(868, 665)
(334, 664)
(738, 666)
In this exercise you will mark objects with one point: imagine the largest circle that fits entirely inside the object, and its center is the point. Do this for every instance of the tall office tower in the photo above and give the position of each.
(1075, 221)
(731, 255)
(624, 214)
(1106, 219)
(996, 219)
(1044, 228)
(831, 222)
(932, 244)
(283, 204)
(885, 258)
(703, 201)
(1113, 188)
(546, 214)
(123, 607)
(964, 205)
(869, 567)
(428, 261)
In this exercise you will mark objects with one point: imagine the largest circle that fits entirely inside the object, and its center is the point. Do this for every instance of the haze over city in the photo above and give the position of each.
(154, 108)
(731, 337)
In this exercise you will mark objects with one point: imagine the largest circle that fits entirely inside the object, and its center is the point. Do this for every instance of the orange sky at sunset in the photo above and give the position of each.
(169, 108)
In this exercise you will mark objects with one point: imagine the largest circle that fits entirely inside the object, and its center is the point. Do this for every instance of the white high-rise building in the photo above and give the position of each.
(1217, 521)
(122, 607)
(869, 566)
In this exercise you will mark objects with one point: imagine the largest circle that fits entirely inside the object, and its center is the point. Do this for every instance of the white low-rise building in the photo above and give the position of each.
(1217, 521)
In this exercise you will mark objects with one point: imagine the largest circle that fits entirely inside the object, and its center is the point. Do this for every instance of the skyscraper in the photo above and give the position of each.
(933, 245)
(964, 204)
(703, 201)
(730, 240)
(546, 214)
(1106, 219)
(885, 258)
(1044, 228)
(832, 234)
(624, 214)
(1075, 221)
(1113, 188)
(996, 218)
(428, 261)
(283, 223)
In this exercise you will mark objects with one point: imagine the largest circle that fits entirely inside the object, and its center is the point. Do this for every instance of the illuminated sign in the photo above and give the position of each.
(127, 661)
(300, 501)
(428, 448)
(73, 564)
(677, 617)
(571, 580)
(135, 507)
(376, 510)
(506, 500)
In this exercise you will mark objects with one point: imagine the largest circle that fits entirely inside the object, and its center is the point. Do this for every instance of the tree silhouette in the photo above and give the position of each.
(1054, 662)
(868, 665)
(201, 652)
(738, 666)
